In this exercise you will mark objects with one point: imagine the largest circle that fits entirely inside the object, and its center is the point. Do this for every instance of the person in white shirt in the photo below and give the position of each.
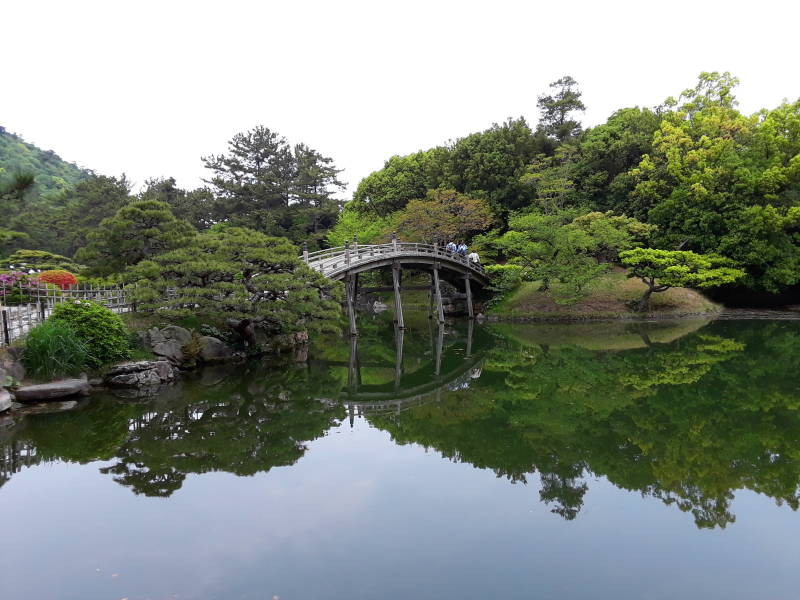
(473, 256)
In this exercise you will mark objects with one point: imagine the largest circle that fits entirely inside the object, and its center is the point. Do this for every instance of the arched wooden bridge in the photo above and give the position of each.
(344, 263)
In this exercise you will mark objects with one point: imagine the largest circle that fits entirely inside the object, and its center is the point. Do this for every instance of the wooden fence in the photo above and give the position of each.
(19, 318)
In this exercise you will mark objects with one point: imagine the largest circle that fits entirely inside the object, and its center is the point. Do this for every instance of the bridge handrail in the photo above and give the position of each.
(358, 252)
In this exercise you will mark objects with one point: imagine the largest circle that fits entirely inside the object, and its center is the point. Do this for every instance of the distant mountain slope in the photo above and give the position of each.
(52, 174)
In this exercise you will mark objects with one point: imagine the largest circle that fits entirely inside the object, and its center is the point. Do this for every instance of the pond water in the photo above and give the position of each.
(606, 460)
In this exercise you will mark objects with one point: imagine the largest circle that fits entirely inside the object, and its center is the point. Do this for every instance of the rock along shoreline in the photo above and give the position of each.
(175, 350)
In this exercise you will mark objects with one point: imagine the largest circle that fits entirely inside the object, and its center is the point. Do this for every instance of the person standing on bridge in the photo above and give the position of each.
(451, 247)
(473, 257)
(462, 249)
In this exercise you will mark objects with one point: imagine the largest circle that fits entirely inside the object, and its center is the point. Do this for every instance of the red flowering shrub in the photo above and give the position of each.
(63, 279)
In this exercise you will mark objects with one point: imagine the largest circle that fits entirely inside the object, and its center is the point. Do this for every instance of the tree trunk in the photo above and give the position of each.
(644, 302)
(247, 330)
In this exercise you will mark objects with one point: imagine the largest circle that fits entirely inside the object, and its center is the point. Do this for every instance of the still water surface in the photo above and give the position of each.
(501, 461)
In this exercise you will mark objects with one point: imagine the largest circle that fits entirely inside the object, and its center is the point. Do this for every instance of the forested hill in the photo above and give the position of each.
(50, 172)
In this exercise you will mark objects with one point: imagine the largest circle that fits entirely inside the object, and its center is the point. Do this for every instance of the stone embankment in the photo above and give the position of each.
(175, 349)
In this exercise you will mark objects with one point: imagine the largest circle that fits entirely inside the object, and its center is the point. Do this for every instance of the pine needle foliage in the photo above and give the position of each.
(240, 274)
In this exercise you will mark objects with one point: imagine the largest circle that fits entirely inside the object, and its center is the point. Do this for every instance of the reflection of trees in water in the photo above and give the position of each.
(243, 426)
(14, 456)
(689, 422)
(250, 420)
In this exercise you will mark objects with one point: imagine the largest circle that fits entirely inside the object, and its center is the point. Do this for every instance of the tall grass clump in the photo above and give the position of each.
(53, 349)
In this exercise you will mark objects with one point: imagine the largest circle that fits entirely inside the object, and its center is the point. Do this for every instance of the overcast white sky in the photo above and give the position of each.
(147, 88)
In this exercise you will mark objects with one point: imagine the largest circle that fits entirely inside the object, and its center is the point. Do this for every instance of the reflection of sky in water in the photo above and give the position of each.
(360, 517)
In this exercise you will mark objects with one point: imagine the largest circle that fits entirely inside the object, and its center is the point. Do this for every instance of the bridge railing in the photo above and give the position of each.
(332, 259)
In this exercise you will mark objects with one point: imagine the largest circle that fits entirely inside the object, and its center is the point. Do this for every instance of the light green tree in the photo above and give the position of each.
(367, 227)
(660, 270)
(569, 247)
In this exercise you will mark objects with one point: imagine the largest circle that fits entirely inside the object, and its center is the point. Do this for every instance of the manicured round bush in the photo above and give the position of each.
(61, 278)
(103, 331)
(54, 349)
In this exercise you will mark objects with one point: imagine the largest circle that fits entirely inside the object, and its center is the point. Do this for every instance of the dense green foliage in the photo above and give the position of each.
(705, 177)
(565, 246)
(54, 349)
(103, 332)
(138, 230)
(693, 174)
(367, 228)
(237, 273)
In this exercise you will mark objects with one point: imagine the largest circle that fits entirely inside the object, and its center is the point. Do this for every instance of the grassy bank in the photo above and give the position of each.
(607, 297)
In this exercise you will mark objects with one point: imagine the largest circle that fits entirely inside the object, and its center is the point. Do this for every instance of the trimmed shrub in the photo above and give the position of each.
(61, 278)
(54, 349)
(40, 260)
(103, 331)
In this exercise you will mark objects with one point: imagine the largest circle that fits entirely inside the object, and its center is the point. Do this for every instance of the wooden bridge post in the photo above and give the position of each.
(353, 372)
(470, 311)
(438, 292)
(351, 309)
(347, 253)
(470, 327)
(398, 357)
(305, 252)
(394, 242)
(398, 303)
(439, 347)
(355, 245)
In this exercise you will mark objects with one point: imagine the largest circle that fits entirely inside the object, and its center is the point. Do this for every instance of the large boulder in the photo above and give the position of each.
(142, 373)
(11, 365)
(5, 400)
(172, 350)
(53, 391)
(169, 342)
(179, 334)
(214, 350)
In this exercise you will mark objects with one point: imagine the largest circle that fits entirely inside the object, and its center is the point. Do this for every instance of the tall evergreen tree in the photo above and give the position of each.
(198, 206)
(557, 110)
(137, 231)
(257, 173)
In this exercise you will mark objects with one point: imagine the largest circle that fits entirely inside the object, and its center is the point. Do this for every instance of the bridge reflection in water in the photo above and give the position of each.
(451, 366)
